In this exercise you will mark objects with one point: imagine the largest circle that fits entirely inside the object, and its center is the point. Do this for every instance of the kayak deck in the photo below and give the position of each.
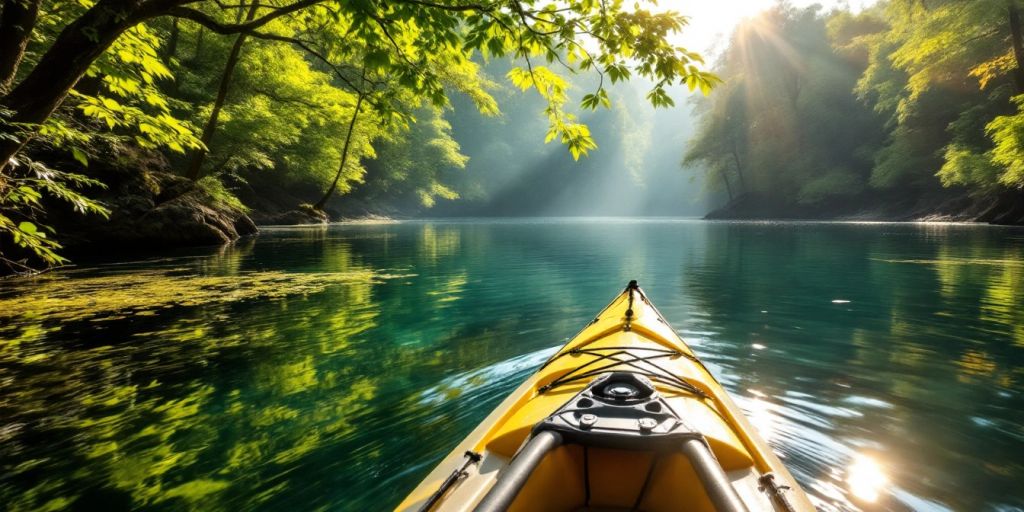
(629, 335)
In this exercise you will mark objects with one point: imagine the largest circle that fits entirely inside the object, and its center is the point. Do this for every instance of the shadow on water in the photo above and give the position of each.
(332, 367)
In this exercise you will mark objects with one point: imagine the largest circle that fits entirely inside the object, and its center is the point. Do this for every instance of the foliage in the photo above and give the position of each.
(939, 75)
(415, 165)
(22, 197)
(214, 188)
(942, 72)
(785, 125)
(564, 126)
(22, 205)
(1007, 133)
(1003, 165)
(283, 115)
(120, 91)
(145, 73)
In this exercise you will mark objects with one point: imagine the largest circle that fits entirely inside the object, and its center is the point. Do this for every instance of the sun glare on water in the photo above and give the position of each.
(866, 478)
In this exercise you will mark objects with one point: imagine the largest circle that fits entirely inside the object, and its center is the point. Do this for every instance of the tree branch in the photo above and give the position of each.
(455, 8)
(337, 69)
(217, 26)
(384, 28)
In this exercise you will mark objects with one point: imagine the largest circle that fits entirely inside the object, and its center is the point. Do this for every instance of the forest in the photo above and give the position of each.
(148, 123)
(144, 124)
(904, 109)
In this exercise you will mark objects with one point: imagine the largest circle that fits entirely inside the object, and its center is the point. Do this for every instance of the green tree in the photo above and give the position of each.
(196, 163)
(943, 73)
(414, 167)
(721, 140)
(786, 127)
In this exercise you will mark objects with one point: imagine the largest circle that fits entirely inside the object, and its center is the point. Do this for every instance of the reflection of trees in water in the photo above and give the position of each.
(229, 393)
(928, 349)
(221, 382)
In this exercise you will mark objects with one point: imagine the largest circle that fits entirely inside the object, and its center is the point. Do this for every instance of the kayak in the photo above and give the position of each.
(623, 417)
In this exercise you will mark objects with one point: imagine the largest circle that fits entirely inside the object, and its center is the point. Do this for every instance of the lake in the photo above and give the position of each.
(331, 367)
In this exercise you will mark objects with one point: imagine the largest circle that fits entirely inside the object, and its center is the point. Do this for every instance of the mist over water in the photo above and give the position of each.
(333, 367)
(635, 171)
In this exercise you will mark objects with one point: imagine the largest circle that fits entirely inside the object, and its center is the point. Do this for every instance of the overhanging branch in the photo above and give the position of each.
(179, 11)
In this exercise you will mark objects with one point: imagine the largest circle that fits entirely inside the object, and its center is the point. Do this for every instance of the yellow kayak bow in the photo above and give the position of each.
(623, 417)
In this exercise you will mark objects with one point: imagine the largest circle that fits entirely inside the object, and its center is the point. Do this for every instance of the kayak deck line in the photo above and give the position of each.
(624, 416)
(664, 376)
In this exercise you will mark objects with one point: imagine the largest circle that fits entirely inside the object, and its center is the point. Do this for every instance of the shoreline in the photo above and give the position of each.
(638, 219)
(1005, 208)
(98, 254)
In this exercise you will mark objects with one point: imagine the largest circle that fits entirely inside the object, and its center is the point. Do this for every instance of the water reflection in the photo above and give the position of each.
(331, 367)
(866, 478)
(924, 337)
(761, 414)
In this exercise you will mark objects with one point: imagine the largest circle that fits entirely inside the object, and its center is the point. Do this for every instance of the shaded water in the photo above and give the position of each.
(330, 368)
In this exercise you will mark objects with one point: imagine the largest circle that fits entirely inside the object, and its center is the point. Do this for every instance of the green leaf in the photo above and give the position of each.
(80, 156)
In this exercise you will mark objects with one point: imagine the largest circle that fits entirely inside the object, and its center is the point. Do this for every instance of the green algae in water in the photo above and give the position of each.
(63, 296)
(142, 431)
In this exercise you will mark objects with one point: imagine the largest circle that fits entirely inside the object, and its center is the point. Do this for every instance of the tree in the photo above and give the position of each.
(521, 29)
(414, 167)
(722, 138)
(195, 165)
(319, 205)
(785, 126)
(941, 72)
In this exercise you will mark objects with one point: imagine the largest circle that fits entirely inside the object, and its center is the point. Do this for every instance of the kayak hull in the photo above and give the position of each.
(629, 335)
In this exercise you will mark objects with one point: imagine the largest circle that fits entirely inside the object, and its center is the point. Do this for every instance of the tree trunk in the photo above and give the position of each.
(196, 165)
(16, 25)
(728, 186)
(198, 51)
(171, 50)
(344, 156)
(739, 168)
(170, 53)
(60, 68)
(1018, 46)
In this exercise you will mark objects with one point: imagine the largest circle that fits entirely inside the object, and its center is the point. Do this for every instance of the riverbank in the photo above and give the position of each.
(1005, 208)
(153, 211)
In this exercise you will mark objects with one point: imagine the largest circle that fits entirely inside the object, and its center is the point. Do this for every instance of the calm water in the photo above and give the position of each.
(331, 368)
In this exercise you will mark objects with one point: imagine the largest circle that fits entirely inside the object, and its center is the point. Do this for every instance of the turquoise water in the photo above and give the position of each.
(331, 368)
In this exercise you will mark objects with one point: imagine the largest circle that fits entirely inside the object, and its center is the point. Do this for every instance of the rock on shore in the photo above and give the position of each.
(151, 210)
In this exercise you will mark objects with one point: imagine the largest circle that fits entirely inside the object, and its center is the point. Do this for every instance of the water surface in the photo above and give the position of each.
(331, 368)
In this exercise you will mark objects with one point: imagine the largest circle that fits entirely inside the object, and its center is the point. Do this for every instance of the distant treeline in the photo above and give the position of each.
(905, 97)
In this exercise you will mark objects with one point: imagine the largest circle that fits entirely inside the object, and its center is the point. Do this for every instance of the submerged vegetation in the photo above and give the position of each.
(69, 297)
(309, 90)
(887, 105)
